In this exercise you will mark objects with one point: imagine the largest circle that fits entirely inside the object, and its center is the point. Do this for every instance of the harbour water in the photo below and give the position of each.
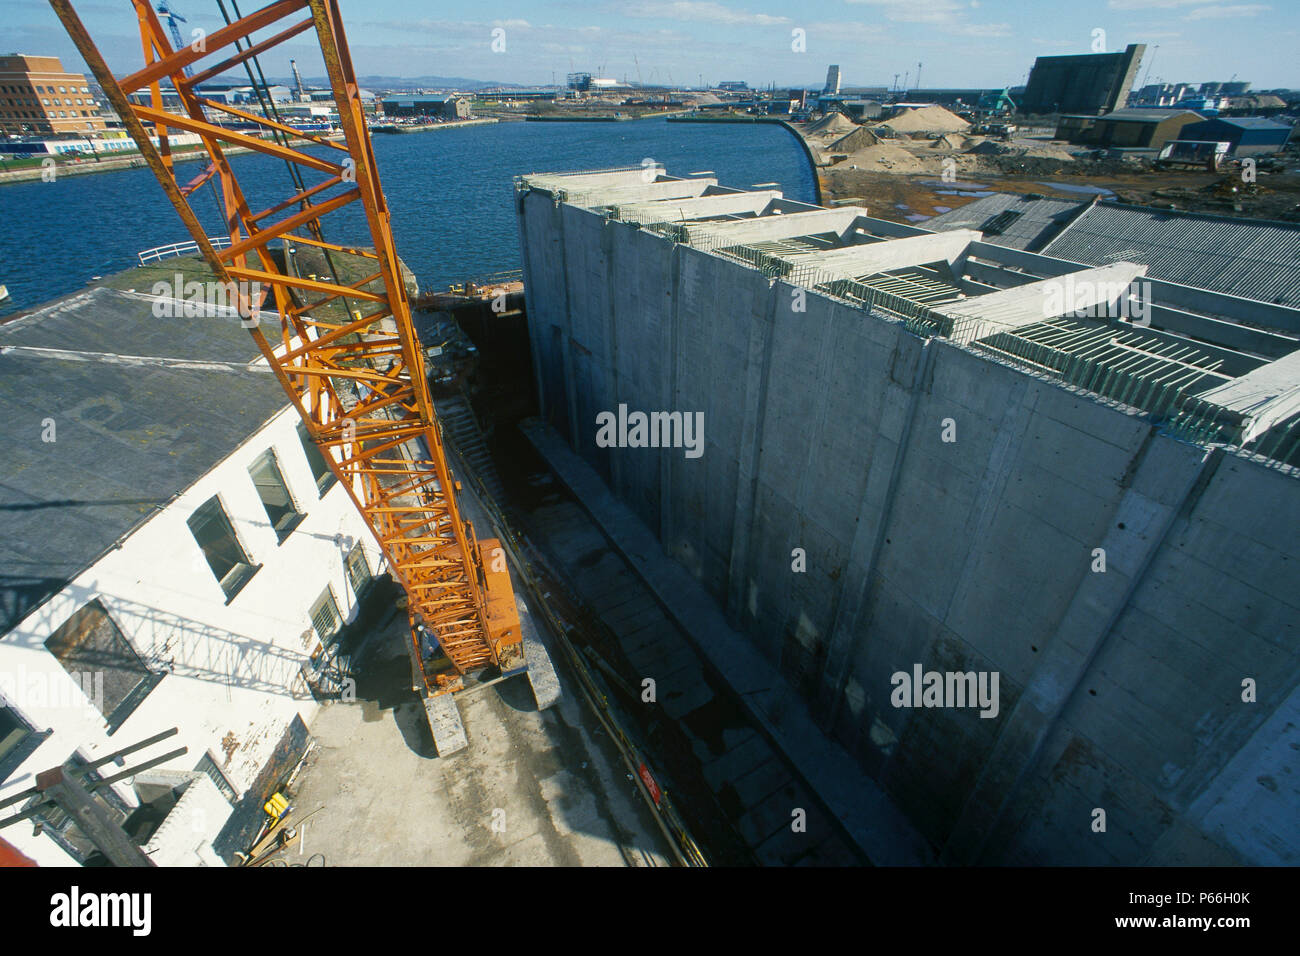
(450, 197)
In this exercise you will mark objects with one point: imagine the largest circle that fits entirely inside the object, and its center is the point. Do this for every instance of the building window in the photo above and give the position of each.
(215, 535)
(358, 570)
(325, 616)
(18, 740)
(208, 767)
(102, 662)
(267, 478)
(324, 477)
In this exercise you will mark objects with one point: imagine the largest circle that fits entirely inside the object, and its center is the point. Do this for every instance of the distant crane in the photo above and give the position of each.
(918, 76)
(1150, 61)
(173, 18)
(638, 70)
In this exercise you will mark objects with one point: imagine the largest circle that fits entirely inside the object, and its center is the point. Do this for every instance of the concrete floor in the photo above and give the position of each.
(533, 789)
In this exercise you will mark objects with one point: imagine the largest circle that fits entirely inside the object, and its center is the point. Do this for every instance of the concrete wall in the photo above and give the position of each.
(1120, 690)
(233, 666)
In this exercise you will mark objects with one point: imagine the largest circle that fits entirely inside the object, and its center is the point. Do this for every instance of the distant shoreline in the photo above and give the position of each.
(84, 167)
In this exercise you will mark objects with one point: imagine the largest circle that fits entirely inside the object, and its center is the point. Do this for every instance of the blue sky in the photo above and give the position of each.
(960, 42)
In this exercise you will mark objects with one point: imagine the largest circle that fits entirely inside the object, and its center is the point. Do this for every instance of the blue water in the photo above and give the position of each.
(450, 193)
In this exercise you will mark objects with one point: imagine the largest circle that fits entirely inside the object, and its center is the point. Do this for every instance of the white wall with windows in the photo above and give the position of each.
(150, 638)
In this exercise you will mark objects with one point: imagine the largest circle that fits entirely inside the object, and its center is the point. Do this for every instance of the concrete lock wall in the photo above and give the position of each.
(1119, 690)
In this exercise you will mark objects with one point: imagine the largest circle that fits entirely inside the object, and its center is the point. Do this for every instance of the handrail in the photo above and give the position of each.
(179, 249)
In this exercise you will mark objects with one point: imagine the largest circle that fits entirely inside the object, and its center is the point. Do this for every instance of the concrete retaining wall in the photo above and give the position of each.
(949, 509)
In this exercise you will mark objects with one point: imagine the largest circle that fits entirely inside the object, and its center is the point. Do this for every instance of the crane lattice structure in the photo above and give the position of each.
(359, 383)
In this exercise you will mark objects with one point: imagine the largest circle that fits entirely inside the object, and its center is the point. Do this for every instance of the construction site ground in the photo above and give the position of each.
(903, 180)
(534, 788)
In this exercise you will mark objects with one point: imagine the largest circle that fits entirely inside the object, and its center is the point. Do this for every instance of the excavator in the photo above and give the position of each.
(340, 339)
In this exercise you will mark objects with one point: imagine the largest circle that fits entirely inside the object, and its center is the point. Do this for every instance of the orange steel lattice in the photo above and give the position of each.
(359, 384)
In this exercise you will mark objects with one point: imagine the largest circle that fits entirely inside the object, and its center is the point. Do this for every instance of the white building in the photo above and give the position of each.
(175, 552)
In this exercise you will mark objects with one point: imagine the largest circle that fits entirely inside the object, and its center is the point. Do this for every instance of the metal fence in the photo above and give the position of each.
(179, 249)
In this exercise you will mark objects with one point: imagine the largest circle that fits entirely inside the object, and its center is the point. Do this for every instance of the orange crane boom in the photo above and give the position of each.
(357, 381)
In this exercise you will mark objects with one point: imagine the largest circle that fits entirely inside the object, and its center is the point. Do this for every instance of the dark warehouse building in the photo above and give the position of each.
(1132, 129)
(1248, 135)
(1084, 83)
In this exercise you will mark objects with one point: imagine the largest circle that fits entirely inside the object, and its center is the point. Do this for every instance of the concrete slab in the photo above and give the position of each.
(541, 672)
(445, 725)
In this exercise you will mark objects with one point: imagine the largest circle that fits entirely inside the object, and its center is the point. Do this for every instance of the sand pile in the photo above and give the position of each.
(1048, 151)
(860, 138)
(989, 148)
(927, 119)
(952, 141)
(882, 157)
(833, 123)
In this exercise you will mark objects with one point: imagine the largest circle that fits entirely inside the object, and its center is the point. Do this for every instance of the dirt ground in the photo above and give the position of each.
(916, 194)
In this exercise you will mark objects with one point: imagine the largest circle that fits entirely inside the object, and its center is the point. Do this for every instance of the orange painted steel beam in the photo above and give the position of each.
(359, 383)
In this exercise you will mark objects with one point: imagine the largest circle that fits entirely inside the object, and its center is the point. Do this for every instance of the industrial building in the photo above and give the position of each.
(38, 96)
(169, 530)
(1084, 83)
(1127, 128)
(451, 106)
(1247, 135)
(927, 452)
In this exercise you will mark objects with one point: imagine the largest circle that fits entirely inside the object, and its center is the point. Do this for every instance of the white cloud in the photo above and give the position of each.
(1221, 12)
(846, 32)
(948, 16)
(1151, 4)
(704, 11)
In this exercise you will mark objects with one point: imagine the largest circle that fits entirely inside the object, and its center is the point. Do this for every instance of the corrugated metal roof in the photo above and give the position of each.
(1251, 258)
(1249, 122)
(1139, 115)
(1040, 219)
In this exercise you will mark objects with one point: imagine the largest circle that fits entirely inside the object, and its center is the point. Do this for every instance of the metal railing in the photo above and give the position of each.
(179, 249)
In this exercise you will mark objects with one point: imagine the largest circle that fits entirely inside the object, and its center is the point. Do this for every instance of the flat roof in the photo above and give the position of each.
(142, 408)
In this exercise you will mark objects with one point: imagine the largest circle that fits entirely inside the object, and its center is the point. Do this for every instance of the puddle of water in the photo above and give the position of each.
(915, 217)
(1075, 188)
(959, 192)
(901, 205)
(942, 209)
